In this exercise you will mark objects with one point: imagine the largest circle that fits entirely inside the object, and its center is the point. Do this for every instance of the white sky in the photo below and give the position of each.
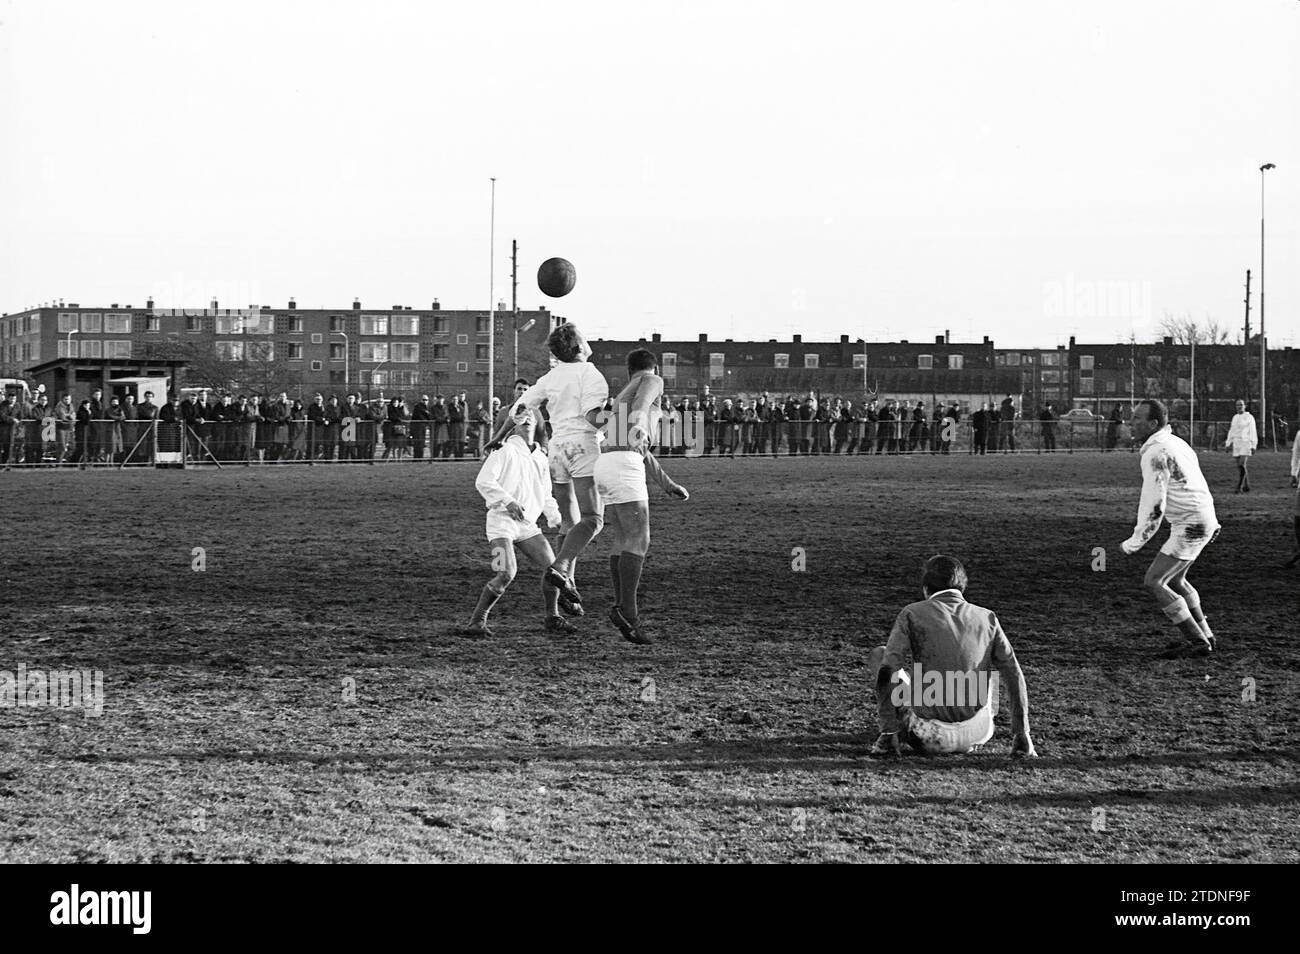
(748, 170)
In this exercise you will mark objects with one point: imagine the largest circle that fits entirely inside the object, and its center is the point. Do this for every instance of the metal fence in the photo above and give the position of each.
(811, 438)
(114, 443)
(118, 443)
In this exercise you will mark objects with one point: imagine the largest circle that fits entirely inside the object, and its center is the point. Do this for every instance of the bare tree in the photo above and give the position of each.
(1185, 329)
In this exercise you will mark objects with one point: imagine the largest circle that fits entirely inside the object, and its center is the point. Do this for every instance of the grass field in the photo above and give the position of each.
(740, 736)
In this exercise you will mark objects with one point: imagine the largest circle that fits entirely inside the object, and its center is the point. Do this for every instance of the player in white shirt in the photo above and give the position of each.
(629, 434)
(1242, 441)
(574, 393)
(515, 484)
(1173, 488)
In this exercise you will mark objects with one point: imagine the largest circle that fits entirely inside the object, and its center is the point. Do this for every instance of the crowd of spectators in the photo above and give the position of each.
(273, 428)
(810, 425)
(241, 428)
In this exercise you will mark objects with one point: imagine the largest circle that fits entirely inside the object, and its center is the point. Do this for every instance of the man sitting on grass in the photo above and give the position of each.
(946, 703)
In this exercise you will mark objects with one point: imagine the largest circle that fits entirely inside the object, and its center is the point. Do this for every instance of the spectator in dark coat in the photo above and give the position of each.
(421, 424)
(1047, 421)
(980, 429)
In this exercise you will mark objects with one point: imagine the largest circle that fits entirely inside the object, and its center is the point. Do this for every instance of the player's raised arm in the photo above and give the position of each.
(1151, 506)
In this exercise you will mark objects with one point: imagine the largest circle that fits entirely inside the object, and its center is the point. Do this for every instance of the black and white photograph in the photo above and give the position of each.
(696, 432)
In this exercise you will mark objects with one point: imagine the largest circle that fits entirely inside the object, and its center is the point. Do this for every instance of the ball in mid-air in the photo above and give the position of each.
(556, 277)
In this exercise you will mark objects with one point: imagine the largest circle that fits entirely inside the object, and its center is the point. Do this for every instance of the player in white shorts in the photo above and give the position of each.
(515, 483)
(1173, 488)
(574, 393)
(630, 432)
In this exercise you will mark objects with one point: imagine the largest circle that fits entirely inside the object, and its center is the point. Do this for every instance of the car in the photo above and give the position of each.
(1079, 415)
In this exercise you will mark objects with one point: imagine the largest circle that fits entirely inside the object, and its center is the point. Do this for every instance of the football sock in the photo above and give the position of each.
(486, 600)
(629, 574)
(617, 580)
(551, 598)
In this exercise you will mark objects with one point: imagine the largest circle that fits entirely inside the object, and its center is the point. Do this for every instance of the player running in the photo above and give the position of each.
(1174, 488)
(574, 392)
(516, 485)
(630, 432)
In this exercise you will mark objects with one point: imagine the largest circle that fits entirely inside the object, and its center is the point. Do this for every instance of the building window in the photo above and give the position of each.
(1085, 385)
(92, 323)
(1051, 377)
(406, 325)
(152, 323)
(193, 324)
(1111, 387)
(405, 378)
(1086, 363)
(374, 324)
(316, 366)
(717, 367)
(462, 339)
(956, 361)
(781, 361)
(317, 338)
(261, 351)
(404, 352)
(481, 352)
(67, 349)
(668, 365)
(925, 362)
(859, 362)
(295, 326)
(462, 366)
(441, 325)
(377, 378)
(117, 349)
(371, 351)
(67, 322)
(336, 323)
(230, 350)
(117, 324)
(294, 351)
(338, 352)
(92, 349)
(1050, 359)
(440, 352)
(481, 324)
(811, 360)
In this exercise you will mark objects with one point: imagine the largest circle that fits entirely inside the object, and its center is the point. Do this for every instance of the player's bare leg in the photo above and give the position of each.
(539, 552)
(1163, 569)
(570, 514)
(1178, 583)
(1243, 475)
(590, 522)
(631, 523)
(503, 562)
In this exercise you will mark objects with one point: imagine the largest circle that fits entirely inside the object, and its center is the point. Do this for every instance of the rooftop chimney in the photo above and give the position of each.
(704, 337)
(1168, 341)
(1071, 342)
(946, 337)
(356, 304)
(798, 339)
(655, 336)
(844, 339)
(436, 306)
(292, 304)
(941, 339)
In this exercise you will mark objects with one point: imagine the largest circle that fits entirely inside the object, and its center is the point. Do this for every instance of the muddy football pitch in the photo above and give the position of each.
(282, 680)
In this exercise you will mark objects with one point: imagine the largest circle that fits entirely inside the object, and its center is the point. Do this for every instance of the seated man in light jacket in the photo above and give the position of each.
(945, 703)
